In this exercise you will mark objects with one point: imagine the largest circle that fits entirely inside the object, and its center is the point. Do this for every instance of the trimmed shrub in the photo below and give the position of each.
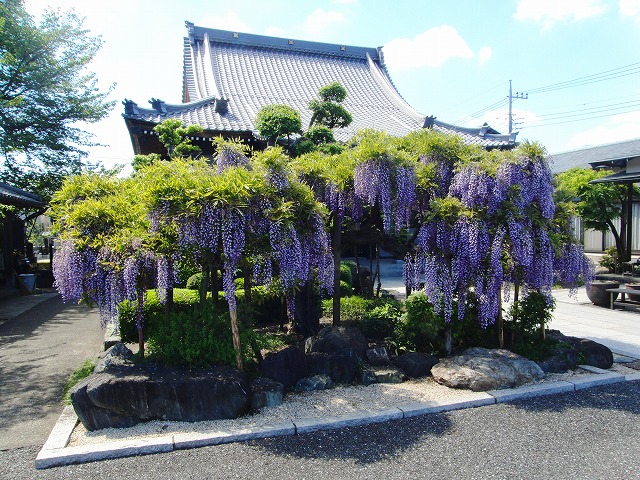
(183, 299)
(195, 281)
(380, 322)
(346, 274)
(419, 329)
(198, 337)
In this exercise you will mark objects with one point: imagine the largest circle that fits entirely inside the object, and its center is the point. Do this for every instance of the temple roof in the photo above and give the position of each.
(10, 195)
(229, 76)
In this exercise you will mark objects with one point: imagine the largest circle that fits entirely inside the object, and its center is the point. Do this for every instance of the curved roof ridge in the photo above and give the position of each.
(281, 43)
(382, 78)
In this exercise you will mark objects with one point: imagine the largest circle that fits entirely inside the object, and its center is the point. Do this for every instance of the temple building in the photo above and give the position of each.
(229, 76)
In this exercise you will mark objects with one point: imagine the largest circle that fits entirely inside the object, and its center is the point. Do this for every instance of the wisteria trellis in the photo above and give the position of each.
(479, 220)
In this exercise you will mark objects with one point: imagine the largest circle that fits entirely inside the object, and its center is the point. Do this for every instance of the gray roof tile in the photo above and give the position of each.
(611, 154)
(252, 71)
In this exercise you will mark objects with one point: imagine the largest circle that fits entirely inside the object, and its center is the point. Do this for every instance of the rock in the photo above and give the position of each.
(594, 353)
(348, 340)
(149, 392)
(286, 366)
(563, 359)
(479, 369)
(265, 393)
(115, 358)
(340, 367)
(316, 382)
(415, 364)
(377, 356)
(367, 377)
(370, 375)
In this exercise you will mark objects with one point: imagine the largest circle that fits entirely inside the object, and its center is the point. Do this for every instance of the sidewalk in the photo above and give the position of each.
(42, 341)
(617, 329)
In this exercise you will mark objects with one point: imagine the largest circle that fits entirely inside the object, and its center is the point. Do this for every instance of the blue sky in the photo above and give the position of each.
(450, 59)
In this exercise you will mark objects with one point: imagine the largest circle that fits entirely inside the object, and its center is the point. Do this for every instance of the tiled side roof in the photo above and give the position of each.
(10, 195)
(612, 153)
(252, 71)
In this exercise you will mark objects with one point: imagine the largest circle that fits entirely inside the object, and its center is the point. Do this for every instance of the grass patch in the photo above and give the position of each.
(80, 373)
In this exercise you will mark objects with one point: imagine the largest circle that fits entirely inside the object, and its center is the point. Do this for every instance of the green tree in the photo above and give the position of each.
(45, 90)
(174, 135)
(275, 121)
(328, 109)
(599, 204)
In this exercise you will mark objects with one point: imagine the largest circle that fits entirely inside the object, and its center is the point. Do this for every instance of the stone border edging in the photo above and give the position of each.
(55, 452)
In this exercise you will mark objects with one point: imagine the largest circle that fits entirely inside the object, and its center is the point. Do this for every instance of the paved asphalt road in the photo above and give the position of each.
(590, 434)
(39, 349)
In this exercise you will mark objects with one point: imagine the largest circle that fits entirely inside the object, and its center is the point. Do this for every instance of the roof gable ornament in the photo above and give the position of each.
(429, 121)
(221, 105)
(130, 107)
(158, 105)
(483, 129)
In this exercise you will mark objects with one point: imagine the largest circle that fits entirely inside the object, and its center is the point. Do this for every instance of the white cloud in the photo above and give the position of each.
(549, 12)
(274, 31)
(484, 55)
(429, 49)
(319, 21)
(620, 127)
(229, 21)
(630, 8)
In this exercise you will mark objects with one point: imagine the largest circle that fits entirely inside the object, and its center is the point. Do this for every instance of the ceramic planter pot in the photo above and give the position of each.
(597, 292)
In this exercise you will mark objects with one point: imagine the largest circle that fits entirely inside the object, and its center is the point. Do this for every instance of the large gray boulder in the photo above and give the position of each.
(265, 393)
(316, 382)
(340, 367)
(347, 340)
(415, 364)
(381, 374)
(336, 352)
(594, 353)
(480, 369)
(286, 366)
(560, 361)
(149, 392)
(115, 358)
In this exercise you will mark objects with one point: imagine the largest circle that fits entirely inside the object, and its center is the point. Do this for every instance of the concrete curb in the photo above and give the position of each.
(56, 453)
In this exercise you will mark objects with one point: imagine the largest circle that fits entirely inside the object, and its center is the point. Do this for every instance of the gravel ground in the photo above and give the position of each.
(337, 401)
(592, 433)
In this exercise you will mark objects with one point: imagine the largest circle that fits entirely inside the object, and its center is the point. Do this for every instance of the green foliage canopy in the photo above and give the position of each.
(45, 91)
(275, 121)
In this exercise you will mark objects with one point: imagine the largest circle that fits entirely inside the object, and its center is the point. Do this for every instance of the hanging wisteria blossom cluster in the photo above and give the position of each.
(496, 234)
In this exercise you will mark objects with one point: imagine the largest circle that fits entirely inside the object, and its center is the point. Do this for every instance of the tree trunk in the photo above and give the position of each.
(336, 247)
(215, 281)
(500, 322)
(204, 286)
(307, 313)
(236, 338)
(246, 272)
(379, 285)
(168, 303)
(139, 324)
(448, 340)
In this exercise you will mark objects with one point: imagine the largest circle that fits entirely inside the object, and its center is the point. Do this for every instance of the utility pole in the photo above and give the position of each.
(518, 95)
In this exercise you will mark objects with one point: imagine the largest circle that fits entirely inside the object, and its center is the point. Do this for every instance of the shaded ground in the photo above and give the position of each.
(39, 349)
(592, 433)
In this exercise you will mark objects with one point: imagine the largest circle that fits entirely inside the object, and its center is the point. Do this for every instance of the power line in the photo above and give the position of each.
(477, 95)
(477, 114)
(626, 70)
(587, 111)
(527, 124)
